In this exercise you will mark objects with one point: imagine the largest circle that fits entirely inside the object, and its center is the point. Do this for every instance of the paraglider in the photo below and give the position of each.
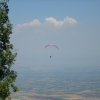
(51, 45)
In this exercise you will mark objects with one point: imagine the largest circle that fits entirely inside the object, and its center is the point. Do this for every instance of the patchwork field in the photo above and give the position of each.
(85, 95)
(65, 84)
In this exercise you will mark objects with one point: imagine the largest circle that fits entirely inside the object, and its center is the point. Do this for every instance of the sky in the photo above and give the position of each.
(72, 25)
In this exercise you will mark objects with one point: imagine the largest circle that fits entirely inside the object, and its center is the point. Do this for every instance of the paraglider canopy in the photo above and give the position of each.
(51, 45)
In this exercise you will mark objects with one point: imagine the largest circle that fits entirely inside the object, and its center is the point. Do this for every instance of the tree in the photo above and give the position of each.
(7, 56)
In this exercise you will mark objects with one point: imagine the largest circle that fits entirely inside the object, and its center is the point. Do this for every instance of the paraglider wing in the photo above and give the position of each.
(51, 45)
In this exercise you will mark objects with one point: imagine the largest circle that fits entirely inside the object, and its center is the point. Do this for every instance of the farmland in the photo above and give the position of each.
(59, 83)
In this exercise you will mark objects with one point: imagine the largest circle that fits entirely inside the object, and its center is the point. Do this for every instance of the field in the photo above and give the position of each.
(85, 95)
(58, 84)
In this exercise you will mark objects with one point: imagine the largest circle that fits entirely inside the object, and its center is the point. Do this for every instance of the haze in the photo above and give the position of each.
(74, 26)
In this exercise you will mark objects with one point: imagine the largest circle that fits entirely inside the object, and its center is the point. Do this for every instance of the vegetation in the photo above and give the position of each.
(7, 56)
(58, 81)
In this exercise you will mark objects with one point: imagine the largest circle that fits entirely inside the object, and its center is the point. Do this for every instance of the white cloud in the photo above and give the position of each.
(69, 20)
(30, 24)
(33, 23)
(55, 23)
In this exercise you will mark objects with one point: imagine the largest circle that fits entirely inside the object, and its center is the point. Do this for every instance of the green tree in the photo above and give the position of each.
(7, 56)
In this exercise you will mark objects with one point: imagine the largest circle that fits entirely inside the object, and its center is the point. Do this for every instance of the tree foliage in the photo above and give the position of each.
(7, 56)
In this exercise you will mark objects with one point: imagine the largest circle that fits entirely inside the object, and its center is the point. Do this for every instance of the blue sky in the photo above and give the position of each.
(72, 25)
